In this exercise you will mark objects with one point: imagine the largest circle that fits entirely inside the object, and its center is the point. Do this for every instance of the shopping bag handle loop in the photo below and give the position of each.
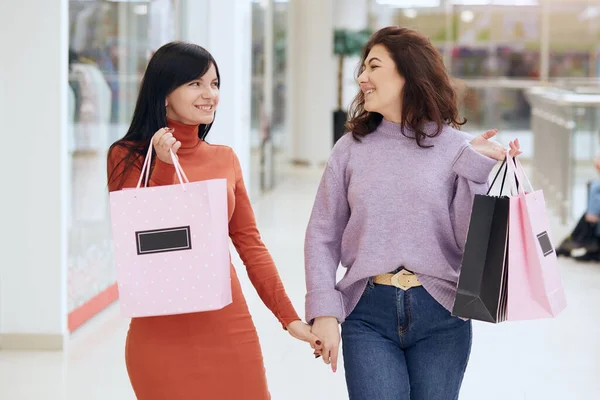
(520, 172)
(502, 167)
(145, 172)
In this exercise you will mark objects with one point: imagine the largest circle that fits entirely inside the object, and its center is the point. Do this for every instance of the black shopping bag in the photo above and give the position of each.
(481, 292)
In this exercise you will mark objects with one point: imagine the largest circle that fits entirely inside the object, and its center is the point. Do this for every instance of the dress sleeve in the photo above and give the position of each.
(258, 261)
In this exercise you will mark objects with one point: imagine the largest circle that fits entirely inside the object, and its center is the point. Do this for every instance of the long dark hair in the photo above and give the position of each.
(172, 66)
(427, 94)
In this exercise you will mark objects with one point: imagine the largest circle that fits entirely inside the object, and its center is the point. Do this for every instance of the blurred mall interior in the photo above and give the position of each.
(69, 78)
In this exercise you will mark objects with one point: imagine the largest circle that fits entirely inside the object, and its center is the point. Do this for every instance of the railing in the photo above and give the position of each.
(564, 122)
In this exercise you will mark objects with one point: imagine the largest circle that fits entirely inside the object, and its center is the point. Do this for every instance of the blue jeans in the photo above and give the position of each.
(403, 345)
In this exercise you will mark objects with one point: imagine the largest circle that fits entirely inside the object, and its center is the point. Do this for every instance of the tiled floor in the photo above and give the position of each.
(545, 360)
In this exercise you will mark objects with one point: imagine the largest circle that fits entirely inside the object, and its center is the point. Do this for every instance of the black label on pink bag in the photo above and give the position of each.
(163, 240)
(545, 243)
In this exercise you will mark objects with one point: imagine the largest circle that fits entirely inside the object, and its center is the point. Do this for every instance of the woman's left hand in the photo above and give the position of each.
(301, 331)
(494, 150)
(515, 148)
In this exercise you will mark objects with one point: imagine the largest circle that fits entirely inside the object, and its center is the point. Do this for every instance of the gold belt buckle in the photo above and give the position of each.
(404, 280)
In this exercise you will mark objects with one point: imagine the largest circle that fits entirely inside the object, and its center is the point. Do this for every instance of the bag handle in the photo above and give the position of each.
(178, 168)
(521, 171)
(512, 168)
(145, 171)
(502, 167)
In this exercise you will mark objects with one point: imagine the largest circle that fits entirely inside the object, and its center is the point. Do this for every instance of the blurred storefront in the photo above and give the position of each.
(110, 43)
(496, 49)
(269, 135)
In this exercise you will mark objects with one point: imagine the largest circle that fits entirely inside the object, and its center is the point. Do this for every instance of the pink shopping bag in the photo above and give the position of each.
(534, 286)
(171, 246)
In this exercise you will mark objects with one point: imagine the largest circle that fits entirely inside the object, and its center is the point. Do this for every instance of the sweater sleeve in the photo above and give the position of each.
(258, 261)
(118, 178)
(322, 248)
(472, 170)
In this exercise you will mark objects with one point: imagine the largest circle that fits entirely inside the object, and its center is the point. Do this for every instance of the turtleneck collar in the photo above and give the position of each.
(395, 129)
(186, 134)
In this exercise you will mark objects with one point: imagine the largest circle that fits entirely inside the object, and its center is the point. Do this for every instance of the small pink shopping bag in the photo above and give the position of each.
(534, 286)
(171, 246)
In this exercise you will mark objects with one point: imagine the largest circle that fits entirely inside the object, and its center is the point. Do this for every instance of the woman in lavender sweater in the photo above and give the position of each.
(393, 208)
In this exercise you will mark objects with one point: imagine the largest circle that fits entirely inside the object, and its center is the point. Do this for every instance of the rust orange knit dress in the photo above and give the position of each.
(212, 355)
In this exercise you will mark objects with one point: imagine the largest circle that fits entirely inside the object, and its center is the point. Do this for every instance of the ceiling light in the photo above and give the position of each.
(467, 16)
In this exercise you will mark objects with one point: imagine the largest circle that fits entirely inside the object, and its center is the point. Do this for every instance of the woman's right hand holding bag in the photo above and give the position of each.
(164, 142)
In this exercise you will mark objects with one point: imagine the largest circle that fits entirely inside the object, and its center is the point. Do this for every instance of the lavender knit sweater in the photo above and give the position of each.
(384, 203)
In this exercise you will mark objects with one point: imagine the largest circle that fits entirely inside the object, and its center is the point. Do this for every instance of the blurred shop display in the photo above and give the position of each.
(269, 95)
(500, 48)
(110, 44)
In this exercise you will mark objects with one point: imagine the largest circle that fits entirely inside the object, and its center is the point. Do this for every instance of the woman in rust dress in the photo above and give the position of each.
(212, 355)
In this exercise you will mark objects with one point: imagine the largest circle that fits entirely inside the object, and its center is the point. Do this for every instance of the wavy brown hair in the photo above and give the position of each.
(427, 95)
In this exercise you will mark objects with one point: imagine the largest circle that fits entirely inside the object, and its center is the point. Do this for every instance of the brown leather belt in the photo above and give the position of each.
(403, 279)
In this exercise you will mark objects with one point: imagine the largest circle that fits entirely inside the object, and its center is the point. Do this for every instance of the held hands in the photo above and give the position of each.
(164, 141)
(301, 331)
(328, 330)
(494, 150)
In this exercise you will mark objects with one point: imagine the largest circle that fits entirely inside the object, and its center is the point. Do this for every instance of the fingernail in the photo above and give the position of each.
(318, 342)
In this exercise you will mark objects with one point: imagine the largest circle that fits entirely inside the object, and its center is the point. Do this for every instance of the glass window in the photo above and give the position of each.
(574, 38)
(257, 102)
(496, 41)
(110, 44)
(483, 43)
(280, 90)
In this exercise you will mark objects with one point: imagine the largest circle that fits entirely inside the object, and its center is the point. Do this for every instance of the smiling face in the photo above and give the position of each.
(195, 102)
(382, 84)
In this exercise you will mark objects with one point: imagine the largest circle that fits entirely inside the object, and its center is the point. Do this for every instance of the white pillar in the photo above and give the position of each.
(223, 27)
(313, 79)
(33, 270)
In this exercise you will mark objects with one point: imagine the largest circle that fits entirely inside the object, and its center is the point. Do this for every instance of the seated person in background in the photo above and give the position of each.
(583, 244)
(593, 211)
